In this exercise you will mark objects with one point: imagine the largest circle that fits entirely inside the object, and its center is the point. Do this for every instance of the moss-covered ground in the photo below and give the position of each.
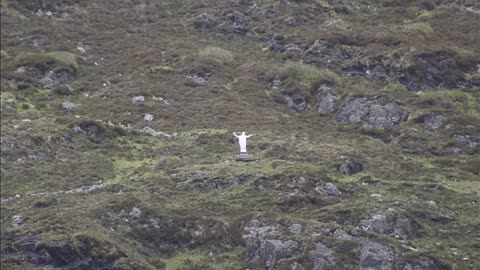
(195, 199)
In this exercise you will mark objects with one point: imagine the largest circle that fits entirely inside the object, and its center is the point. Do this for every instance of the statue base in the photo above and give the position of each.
(244, 157)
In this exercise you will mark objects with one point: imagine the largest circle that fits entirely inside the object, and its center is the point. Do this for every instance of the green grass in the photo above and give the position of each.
(189, 185)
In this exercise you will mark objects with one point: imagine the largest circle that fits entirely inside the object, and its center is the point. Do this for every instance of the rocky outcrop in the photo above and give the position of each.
(296, 104)
(327, 104)
(465, 140)
(64, 254)
(264, 246)
(323, 258)
(199, 78)
(388, 223)
(375, 256)
(272, 252)
(378, 112)
(54, 79)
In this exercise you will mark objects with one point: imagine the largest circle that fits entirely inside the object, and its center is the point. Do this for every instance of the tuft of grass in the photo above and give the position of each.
(308, 76)
(53, 60)
(467, 103)
(423, 28)
(218, 54)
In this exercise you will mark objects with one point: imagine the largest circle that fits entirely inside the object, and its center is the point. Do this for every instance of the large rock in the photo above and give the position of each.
(264, 246)
(323, 258)
(371, 111)
(388, 223)
(254, 234)
(327, 104)
(375, 256)
(274, 251)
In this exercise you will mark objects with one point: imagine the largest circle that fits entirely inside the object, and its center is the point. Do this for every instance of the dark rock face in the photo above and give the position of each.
(375, 256)
(425, 71)
(371, 111)
(64, 255)
(350, 167)
(322, 258)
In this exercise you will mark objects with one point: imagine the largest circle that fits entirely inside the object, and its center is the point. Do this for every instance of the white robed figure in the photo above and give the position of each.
(242, 140)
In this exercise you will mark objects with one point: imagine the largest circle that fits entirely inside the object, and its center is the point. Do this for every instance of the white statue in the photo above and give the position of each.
(242, 140)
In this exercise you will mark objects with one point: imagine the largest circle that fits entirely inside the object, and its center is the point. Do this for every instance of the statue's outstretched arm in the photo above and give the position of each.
(234, 134)
(249, 136)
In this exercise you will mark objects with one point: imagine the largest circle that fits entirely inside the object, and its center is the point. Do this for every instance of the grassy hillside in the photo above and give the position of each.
(365, 115)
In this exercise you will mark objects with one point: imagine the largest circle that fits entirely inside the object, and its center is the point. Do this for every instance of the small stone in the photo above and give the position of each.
(148, 117)
(163, 100)
(81, 50)
(296, 228)
(135, 212)
(197, 80)
(17, 220)
(138, 99)
(377, 197)
(302, 180)
(68, 106)
(431, 203)
(78, 129)
(150, 131)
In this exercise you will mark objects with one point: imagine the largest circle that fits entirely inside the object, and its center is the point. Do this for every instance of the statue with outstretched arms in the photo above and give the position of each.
(242, 140)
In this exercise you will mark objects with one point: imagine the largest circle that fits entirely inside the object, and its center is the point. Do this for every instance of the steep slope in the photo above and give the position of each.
(117, 152)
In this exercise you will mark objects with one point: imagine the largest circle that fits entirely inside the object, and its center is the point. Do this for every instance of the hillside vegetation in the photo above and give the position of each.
(117, 149)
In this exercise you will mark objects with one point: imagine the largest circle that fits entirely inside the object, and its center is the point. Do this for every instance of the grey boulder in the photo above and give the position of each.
(378, 112)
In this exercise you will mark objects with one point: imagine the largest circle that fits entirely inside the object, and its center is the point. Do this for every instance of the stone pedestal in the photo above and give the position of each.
(244, 157)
